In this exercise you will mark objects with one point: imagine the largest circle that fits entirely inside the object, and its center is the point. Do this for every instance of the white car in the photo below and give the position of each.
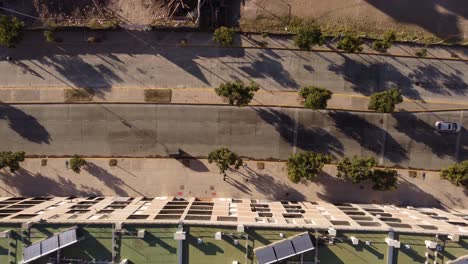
(451, 127)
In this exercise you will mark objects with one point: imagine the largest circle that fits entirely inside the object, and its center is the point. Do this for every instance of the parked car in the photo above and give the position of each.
(451, 127)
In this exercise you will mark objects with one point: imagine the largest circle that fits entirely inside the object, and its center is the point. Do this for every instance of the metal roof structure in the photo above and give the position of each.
(49, 245)
(284, 249)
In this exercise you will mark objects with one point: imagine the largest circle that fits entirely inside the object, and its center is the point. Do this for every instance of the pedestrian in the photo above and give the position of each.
(424, 176)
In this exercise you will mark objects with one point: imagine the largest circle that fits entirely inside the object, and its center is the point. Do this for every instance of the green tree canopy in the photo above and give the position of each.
(237, 93)
(384, 102)
(315, 97)
(308, 36)
(457, 174)
(385, 180)
(224, 36)
(10, 30)
(224, 159)
(356, 169)
(350, 43)
(11, 160)
(76, 163)
(305, 165)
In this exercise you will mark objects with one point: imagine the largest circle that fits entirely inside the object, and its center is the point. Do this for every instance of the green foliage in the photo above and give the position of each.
(421, 52)
(76, 163)
(224, 36)
(384, 102)
(224, 159)
(385, 180)
(49, 36)
(237, 93)
(457, 174)
(350, 43)
(308, 36)
(10, 30)
(385, 43)
(305, 165)
(315, 97)
(11, 160)
(356, 169)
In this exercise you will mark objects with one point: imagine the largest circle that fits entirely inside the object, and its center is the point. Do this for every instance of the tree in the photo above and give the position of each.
(385, 180)
(356, 169)
(224, 36)
(382, 45)
(224, 159)
(237, 93)
(76, 163)
(11, 160)
(308, 36)
(315, 97)
(305, 165)
(384, 102)
(350, 44)
(457, 174)
(10, 30)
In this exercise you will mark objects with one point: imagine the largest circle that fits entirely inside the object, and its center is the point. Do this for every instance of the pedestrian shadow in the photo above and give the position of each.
(24, 124)
(27, 183)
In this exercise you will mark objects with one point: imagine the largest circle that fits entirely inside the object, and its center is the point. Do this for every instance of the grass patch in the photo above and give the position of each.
(78, 95)
(158, 95)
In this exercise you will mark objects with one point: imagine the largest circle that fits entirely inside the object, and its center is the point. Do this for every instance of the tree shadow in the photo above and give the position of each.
(113, 182)
(422, 132)
(191, 162)
(369, 78)
(275, 189)
(24, 124)
(435, 81)
(82, 74)
(368, 135)
(27, 183)
(336, 190)
(268, 67)
(309, 138)
(423, 13)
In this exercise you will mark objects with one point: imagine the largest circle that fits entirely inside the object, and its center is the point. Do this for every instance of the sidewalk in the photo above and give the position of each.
(170, 177)
(207, 96)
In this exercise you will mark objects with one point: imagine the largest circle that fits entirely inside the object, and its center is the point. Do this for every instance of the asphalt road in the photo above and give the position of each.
(143, 59)
(403, 139)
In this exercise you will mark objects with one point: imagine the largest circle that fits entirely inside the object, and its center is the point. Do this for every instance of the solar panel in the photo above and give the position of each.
(284, 250)
(49, 245)
(302, 243)
(265, 255)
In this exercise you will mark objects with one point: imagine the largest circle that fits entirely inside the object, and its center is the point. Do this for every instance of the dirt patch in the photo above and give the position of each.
(428, 20)
(158, 95)
(78, 95)
(86, 12)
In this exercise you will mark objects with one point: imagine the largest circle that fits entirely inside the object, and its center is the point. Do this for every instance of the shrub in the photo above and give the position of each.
(305, 165)
(49, 36)
(308, 36)
(356, 169)
(421, 52)
(457, 174)
(76, 163)
(350, 44)
(385, 43)
(112, 162)
(315, 97)
(10, 30)
(385, 180)
(11, 160)
(237, 93)
(224, 36)
(224, 159)
(384, 102)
